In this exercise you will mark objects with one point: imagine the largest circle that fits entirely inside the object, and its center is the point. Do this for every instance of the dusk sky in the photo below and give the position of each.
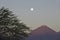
(46, 12)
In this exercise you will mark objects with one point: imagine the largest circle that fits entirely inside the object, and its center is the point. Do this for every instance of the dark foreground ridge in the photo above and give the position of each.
(43, 33)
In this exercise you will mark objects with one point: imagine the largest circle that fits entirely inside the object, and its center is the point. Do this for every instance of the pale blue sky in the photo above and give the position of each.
(45, 12)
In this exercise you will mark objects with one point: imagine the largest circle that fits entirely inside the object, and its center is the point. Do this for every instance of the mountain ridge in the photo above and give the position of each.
(43, 33)
(42, 30)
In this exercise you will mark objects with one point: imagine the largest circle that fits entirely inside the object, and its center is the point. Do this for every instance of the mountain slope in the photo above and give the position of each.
(43, 33)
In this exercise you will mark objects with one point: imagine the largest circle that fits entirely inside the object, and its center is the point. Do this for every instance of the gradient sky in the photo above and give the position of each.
(46, 12)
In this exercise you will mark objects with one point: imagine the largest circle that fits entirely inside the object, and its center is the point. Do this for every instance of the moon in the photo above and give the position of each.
(31, 9)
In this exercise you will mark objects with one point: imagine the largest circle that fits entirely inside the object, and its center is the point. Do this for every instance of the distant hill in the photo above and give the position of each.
(42, 30)
(43, 33)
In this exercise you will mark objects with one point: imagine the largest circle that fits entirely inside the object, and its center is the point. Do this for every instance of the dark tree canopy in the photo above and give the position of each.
(10, 27)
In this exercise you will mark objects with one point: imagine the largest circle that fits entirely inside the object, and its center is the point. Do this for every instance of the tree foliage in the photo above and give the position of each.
(10, 27)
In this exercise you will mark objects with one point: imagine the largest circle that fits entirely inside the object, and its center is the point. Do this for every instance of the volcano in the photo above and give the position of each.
(43, 33)
(42, 30)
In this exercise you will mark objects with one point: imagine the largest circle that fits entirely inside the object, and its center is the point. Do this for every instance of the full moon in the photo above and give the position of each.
(31, 9)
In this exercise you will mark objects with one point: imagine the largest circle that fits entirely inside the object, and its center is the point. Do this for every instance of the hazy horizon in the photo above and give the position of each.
(46, 12)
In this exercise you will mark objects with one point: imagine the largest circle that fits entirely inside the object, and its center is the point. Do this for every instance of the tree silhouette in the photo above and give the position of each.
(10, 27)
